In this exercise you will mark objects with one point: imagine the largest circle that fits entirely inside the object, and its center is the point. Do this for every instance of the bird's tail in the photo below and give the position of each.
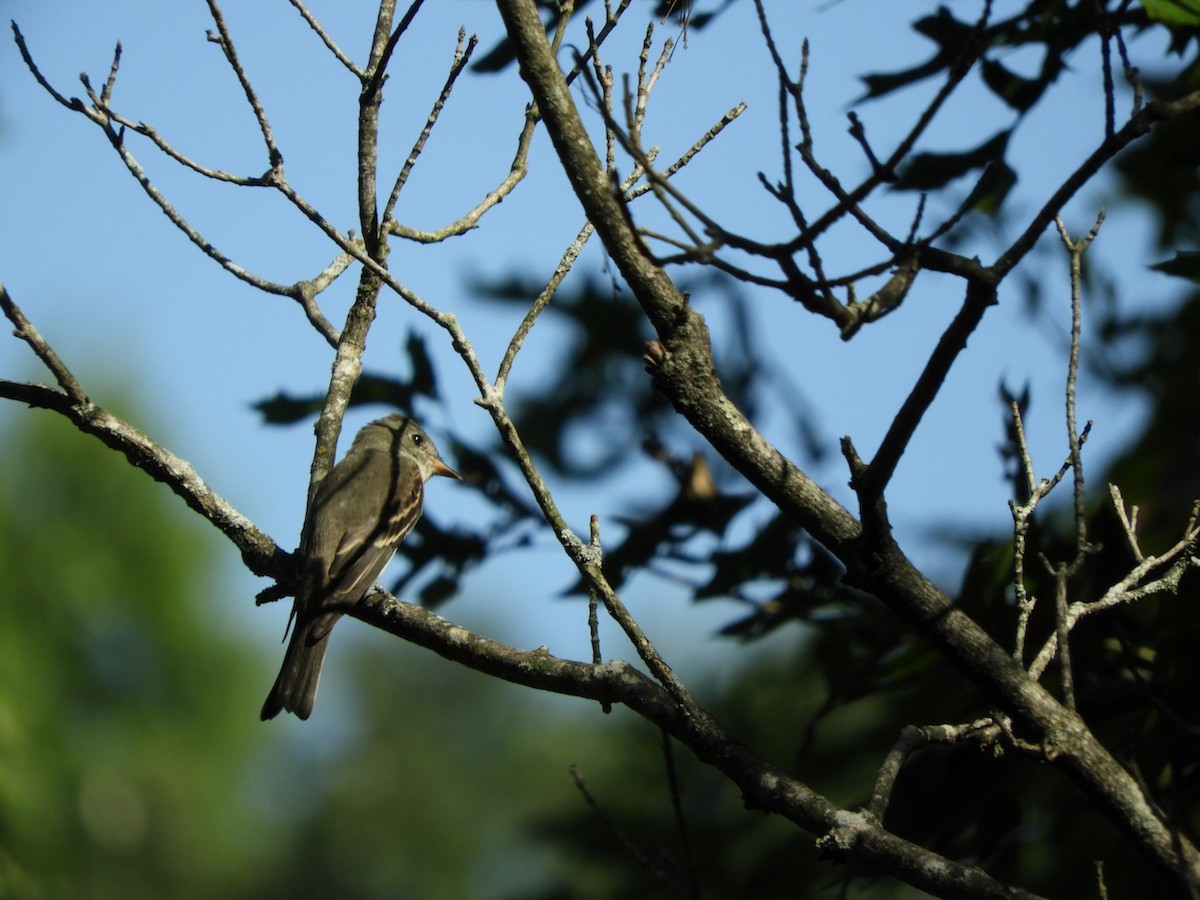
(295, 689)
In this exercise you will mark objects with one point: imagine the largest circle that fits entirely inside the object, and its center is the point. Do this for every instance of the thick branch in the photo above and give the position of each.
(260, 553)
(763, 786)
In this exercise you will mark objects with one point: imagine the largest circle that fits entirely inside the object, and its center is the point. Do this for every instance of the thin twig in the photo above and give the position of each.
(691, 882)
(381, 51)
(1062, 632)
(461, 57)
(326, 39)
(628, 189)
(24, 330)
(1130, 589)
(625, 841)
(1076, 249)
(103, 117)
(700, 143)
(848, 200)
(1063, 572)
(1128, 521)
(595, 548)
(540, 303)
(1022, 517)
(912, 739)
(225, 42)
(516, 172)
(611, 19)
(111, 81)
(1136, 127)
(1105, 30)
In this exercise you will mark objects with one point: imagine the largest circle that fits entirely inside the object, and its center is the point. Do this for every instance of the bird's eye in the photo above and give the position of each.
(418, 439)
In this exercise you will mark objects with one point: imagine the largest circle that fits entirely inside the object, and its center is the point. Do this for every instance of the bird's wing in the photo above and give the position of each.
(359, 521)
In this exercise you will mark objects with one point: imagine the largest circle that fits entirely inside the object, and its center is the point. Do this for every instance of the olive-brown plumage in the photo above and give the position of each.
(360, 514)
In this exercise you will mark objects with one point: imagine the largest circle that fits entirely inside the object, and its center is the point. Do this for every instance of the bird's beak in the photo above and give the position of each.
(440, 468)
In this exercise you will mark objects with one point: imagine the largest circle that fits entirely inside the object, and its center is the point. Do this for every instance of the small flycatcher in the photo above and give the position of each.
(360, 514)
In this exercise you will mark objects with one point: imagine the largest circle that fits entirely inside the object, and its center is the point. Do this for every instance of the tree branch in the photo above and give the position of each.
(683, 368)
(763, 786)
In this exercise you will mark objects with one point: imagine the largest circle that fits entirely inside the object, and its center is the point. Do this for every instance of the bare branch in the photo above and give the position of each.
(24, 330)
(913, 739)
(461, 57)
(1076, 249)
(1022, 517)
(848, 834)
(980, 295)
(682, 368)
(540, 303)
(1137, 126)
(225, 42)
(326, 39)
(74, 103)
(381, 50)
(611, 18)
(1132, 588)
(516, 173)
(1128, 521)
(597, 550)
(260, 553)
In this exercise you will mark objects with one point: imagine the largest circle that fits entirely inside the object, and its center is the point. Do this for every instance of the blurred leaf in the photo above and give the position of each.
(423, 382)
(449, 553)
(697, 507)
(680, 12)
(1055, 28)
(929, 171)
(284, 409)
(126, 684)
(479, 470)
(1163, 170)
(1182, 265)
(1185, 13)
(951, 37)
(395, 393)
(994, 186)
(1020, 93)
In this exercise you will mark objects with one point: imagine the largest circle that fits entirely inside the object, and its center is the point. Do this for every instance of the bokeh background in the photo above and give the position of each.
(133, 659)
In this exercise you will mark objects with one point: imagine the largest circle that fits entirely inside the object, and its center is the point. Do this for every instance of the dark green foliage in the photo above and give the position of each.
(125, 732)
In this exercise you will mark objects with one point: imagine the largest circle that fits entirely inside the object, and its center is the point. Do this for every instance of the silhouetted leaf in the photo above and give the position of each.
(479, 470)
(1182, 265)
(284, 409)
(698, 506)
(1163, 169)
(928, 171)
(994, 186)
(680, 12)
(423, 381)
(1020, 93)
(394, 393)
(943, 29)
(448, 553)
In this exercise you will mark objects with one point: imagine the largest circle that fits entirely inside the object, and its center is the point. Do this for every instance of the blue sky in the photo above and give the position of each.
(127, 300)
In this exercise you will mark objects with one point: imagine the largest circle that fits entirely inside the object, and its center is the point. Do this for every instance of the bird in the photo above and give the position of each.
(360, 513)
